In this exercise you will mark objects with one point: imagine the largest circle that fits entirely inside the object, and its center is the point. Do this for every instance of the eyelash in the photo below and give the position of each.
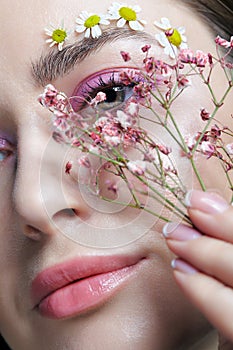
(102, 81)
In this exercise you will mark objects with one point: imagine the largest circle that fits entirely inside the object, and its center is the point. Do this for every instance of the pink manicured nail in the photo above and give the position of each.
(208, 202)
(180, 265)
(180, 232)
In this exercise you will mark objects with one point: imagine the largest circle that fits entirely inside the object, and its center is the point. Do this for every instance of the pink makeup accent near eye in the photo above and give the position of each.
(101, 80)
(3, 143)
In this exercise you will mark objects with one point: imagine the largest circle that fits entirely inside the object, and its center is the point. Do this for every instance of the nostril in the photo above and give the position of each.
(32, 233)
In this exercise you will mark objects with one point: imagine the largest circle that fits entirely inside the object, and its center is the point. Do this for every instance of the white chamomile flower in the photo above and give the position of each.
(172, 39)
(58, 36)
(126, 14)
(90, 24)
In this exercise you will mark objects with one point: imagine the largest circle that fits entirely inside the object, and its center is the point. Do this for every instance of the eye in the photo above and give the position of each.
(111, 83)
(6, 150)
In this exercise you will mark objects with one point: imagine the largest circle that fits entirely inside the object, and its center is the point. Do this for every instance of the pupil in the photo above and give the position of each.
(113, 94)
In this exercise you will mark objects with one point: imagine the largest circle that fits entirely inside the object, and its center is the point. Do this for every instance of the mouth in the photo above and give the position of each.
(78, 285)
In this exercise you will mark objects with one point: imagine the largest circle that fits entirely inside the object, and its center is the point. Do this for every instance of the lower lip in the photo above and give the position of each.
(87, 293)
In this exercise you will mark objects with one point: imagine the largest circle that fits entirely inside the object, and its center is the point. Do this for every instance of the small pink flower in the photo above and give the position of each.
(101, 122)
(49, 96)
(126, 56)
(183, 82)
(143, 89)
(84, 161)
(205, 115)
(112, 141)
(224, 43)
(201, 58)
(94, 149)
(137, 167)
(76, 143)
(68, 168)
(146, 48)
(123, 119)
(186, 56)
(129, 76)
(215, 131)
(191, 141)
(61, 124)
(112, 186)
(164, 149)
(149, 156)
(149, 64)
(229, 148)
(207, 148)
(100, 97)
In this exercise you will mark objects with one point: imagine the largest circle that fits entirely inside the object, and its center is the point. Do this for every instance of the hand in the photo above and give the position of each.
(204, 267)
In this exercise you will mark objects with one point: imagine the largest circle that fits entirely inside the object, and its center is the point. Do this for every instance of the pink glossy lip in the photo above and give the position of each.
(75, 286)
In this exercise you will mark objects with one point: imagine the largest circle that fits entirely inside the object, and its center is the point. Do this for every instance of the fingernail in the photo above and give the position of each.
(180, 232)
(180, 265)
(208, 202)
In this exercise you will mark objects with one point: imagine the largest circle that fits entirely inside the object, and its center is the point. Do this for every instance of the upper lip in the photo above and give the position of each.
(58, 276)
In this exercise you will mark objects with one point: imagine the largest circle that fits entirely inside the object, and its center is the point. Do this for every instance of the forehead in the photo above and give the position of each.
(22, 29)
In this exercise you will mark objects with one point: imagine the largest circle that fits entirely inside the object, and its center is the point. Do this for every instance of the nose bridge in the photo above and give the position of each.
(37, 193)
(27, 191)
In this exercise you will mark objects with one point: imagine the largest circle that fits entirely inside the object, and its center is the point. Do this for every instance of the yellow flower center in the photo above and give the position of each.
(128, 14)
(173, 37)
(92, 21)
(59, 35)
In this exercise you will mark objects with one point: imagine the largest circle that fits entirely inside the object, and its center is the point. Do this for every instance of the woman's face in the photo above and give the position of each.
(49, 227)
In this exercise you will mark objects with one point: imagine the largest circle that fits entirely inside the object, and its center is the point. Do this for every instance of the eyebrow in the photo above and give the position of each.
(56, 64)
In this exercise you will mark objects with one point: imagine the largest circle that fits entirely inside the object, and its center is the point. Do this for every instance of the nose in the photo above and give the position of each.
(43, 194)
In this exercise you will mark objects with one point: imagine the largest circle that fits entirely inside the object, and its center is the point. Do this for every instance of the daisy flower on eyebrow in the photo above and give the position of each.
(126, 14)
(90, 24)
(172, 39)
(58, 36)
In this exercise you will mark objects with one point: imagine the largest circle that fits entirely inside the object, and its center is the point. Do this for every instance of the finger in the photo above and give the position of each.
(207, 254)
(211, 214)
(211, 297)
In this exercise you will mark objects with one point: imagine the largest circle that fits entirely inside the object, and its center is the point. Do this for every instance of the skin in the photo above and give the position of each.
(148, 308)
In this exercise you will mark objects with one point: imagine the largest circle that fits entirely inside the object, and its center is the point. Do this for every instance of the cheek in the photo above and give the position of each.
(6, 189)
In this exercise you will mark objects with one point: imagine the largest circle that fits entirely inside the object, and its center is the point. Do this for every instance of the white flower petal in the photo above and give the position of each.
(183, 46)
(84, 15)
(162, 39)
(163, 24)
(136, 8)
(49, 40)
(184, 38)
(79, 21)
(48, 31)
(181, 30)
(135, 25)
(87, 33)
(52, 43)
(60, 46)
(104, 21)
(121, 23)
(142, 21)
(80, 29)
(96, 31)
(172, 51)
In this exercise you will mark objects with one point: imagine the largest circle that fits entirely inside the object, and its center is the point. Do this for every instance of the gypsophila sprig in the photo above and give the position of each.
(125, 14)
(90, 24)
(124, 148)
